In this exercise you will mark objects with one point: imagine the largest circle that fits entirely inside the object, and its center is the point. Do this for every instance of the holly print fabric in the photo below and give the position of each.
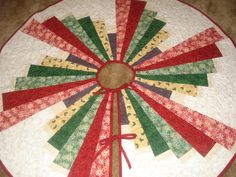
(94, 130)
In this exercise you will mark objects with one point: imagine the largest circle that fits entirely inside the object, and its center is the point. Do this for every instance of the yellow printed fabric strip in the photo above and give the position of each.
(187, 89)
(59, 63)
(160, 37)
(141, 140)
(102, 33)
(63, 117)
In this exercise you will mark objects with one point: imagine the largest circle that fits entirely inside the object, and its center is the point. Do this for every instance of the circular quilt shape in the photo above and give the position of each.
(118, 88)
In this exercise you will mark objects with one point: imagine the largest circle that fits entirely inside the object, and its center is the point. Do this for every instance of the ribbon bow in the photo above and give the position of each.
(108, 142)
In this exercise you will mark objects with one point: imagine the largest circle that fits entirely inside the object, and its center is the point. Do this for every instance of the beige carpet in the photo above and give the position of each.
(14, 12)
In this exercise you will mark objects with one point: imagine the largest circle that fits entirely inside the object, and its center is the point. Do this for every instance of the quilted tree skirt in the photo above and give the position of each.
(118, 88)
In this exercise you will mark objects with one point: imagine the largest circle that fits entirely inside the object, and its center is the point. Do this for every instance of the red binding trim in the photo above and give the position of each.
(4, 168)
(123, 86)
(227, 166)
(25, 23)
(213, 21)
(234, 157)
(111, 132)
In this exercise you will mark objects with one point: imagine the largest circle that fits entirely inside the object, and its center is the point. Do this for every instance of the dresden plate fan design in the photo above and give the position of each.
(112, 80)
